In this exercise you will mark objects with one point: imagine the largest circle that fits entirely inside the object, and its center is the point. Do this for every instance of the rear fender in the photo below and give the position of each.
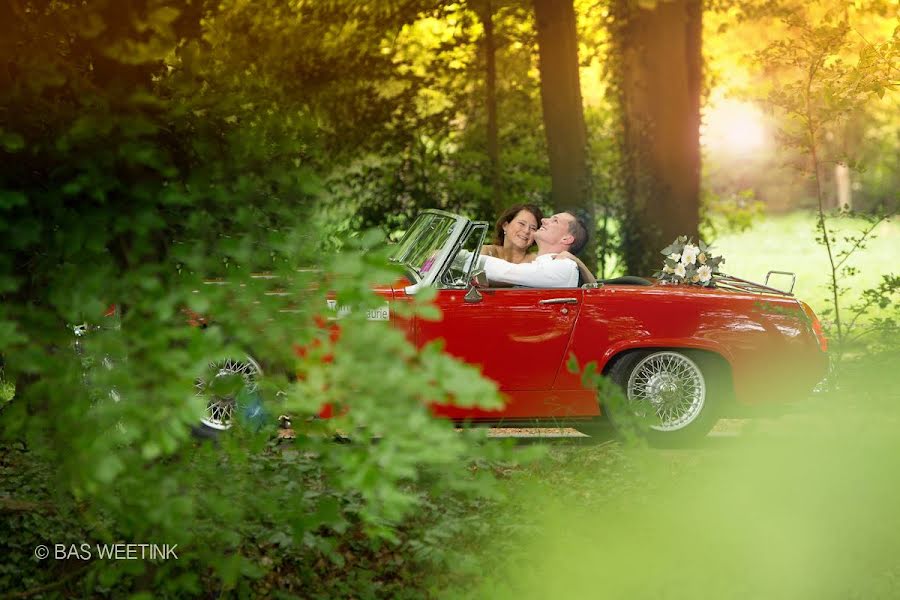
(617, 350)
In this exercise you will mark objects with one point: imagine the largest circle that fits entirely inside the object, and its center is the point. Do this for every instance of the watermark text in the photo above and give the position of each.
(121, 551)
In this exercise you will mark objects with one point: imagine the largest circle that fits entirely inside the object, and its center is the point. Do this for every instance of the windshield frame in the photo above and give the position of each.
(416, 243)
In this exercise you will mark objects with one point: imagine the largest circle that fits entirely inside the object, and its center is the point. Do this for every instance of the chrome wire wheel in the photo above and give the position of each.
(221, 408)
(669, 385)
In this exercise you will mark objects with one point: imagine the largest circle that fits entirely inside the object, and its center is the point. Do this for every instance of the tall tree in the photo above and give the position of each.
(563, 112)
(485, 11)
(659, 74)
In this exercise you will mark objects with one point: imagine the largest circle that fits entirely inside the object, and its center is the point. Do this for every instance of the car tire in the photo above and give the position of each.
(669, 396)
(223, 411)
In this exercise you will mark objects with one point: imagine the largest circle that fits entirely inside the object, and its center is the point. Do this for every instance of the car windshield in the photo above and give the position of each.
(423, 242)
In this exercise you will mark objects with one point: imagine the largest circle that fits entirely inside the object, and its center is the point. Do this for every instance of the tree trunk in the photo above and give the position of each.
(659, 75)
(843, 194)
(486, 14)
(564, 114)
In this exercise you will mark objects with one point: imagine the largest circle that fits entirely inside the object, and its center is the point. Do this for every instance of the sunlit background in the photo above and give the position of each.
(734, 127)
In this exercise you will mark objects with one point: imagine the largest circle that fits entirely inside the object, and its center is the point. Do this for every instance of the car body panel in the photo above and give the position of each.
(763, 338)
(529, 406)
(518, 342)
(518, 337)
(522, 338)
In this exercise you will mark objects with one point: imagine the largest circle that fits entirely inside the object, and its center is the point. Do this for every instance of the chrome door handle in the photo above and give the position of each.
(559, 301)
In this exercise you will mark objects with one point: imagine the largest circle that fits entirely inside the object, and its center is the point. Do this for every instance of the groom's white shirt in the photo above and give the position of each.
(543, 272)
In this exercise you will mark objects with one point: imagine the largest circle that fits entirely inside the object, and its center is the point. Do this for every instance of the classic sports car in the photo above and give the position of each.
(683, 354)
(688, 354)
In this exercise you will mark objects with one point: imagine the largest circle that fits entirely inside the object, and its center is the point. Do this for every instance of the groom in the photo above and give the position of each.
(563, 231)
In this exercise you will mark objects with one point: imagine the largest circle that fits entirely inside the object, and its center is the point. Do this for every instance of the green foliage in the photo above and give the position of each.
(432, 152)
(161, 158)
(830, 72)
(608, 188)
(728, 213)
(631, 426)
(864, 138)
(7, 389)
(874, 319)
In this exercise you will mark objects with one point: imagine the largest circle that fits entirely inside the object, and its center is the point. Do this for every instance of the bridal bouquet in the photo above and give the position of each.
(689, 263)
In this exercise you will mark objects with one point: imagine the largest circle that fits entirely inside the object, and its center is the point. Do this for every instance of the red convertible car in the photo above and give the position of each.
(685, 355)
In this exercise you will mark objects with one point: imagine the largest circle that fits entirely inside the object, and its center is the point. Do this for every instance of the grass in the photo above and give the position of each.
(788, 243)
(797, 507)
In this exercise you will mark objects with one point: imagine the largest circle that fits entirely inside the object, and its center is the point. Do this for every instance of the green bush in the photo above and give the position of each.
(143, 153)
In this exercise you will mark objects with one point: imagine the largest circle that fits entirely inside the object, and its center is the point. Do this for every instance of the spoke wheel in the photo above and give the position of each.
(222, 407)
(676, 395)
(669, 385)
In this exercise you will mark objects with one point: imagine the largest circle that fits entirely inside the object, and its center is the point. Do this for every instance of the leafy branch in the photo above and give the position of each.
(825, 91)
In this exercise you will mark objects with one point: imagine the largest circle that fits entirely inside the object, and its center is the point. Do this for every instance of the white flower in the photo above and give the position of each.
(692, 264)
(690, 254)
(705, 273)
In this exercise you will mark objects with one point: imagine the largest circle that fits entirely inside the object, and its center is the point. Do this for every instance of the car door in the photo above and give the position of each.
(518, 336)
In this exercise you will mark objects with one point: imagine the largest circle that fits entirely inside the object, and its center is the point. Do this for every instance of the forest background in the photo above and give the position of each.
(150, 145)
